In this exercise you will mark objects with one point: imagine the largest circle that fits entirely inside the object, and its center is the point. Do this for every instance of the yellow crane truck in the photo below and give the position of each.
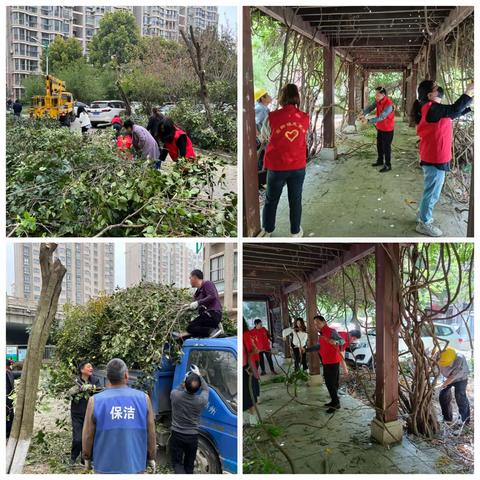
(56, 103)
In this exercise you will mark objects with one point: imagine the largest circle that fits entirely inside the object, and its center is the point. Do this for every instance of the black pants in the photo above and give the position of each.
(445, 398)
(384, 147)
(268, 356)
(77, 427)
(10, 414)
(300, 358)
(201, 326)
(183, 449)
(331, 374)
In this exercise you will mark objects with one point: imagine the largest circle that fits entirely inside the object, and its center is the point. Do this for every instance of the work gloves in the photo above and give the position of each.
(88, 465)
(152, 465)
(87, 387)
(195, 369)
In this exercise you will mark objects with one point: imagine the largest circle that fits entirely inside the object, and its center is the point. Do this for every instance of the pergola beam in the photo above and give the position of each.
(455, 18)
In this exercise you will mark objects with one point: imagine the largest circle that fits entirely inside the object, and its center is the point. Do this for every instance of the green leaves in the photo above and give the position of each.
(62, 184)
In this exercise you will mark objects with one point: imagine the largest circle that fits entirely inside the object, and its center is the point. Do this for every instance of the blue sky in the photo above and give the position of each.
(228, 17)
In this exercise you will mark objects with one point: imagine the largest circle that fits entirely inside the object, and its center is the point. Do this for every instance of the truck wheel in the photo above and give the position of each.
(207, 460)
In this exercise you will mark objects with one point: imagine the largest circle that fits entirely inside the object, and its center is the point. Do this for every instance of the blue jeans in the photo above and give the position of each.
(276, 180)
(433, 179)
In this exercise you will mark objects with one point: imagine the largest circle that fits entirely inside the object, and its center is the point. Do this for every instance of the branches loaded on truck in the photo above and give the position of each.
(56, 103)
(217, 361)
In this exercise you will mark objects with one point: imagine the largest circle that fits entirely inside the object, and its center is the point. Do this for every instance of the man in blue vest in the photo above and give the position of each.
(119, 429)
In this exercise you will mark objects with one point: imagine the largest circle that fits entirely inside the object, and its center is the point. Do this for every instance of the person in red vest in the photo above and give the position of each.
(251, 385)
(384, 122)
(117, 125)
(262, 337)
(124, 146)
(329, 348)
(176, 142)
(434, 127)
(284, 132)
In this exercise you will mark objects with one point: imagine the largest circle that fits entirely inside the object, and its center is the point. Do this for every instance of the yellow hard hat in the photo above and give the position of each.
(259, 93)
(447, 357)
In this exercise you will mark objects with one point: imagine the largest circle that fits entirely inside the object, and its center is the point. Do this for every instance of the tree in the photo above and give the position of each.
(33, 85)
(52, 275)
(61, 53)
(116, 41)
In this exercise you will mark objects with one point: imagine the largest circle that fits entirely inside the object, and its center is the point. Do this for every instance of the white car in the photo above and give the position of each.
(102, 111)
(362, 353)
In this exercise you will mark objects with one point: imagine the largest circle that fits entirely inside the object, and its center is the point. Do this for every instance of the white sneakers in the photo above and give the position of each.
(428, 229)
(266, 234)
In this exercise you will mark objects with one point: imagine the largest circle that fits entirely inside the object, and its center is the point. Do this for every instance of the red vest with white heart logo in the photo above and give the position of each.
(287, 147)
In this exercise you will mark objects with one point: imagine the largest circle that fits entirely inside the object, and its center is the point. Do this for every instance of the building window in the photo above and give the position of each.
(217, 272)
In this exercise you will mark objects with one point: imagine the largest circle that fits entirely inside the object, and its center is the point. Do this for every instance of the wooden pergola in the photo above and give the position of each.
(272, 271)
(370, 39)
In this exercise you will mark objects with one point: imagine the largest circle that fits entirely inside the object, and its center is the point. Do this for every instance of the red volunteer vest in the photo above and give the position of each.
(173, 149)
(329, 353)
(388, 123)
(435, 138)
(287, 147)
(261, 338)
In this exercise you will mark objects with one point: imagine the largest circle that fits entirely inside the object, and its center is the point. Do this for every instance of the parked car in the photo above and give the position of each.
(77, 104)
(102, 111)
(362, 353)
(166, 107)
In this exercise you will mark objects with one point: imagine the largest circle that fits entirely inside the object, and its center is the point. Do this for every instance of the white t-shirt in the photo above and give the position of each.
(84, 120)
(299, 339)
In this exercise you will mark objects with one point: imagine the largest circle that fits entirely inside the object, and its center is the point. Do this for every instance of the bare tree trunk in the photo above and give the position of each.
(19, 441)
(195, 52)
(128, 109)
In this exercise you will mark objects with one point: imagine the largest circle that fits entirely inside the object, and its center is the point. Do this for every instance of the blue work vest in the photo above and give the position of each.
(120, 444)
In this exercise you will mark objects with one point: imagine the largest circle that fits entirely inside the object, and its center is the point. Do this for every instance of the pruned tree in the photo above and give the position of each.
(53, 272)
(195, 52)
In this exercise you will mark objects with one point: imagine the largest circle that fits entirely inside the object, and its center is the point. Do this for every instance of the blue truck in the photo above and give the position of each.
(217, 360)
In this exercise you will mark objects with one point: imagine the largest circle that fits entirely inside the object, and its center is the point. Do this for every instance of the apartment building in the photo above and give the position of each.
(30, 28)
(163, 263)
(90, 271)
(220, 266)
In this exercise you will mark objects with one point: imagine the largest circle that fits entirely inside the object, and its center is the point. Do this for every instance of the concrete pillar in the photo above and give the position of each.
(351, 94)
(329, 150)
(228, 278)
(386, 428)
(251, 202)
(431, 63)
(285, 320)
(310, 293)
(404, 95)
(413, 90)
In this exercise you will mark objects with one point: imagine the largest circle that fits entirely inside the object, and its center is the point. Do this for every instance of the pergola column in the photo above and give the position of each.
(310, 294)
(329, 150)
(386, 428)
(351, 94)
(431, 62)
(285, 319)
(251, 203)
(404, 95)
(366, 75)
(413, 90)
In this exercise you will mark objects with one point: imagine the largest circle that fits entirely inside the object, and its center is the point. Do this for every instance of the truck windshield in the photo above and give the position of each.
(219, 368)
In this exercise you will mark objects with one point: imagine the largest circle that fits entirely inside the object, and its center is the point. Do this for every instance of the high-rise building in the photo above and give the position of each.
(220, 266)
(90, 271)
(30, 28)
(163, 263)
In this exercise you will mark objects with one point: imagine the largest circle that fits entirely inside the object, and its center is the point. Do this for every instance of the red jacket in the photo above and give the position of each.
(287, 147)
(248, 346)
(435, 138)
(388, 123)
(117, 119)
(173, 149)
(262, 339)
(329, 353)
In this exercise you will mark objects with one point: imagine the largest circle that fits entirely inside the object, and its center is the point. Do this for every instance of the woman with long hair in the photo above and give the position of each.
(284, 132)
(434, 127)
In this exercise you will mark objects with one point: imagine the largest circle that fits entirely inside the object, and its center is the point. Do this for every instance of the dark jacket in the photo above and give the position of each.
(153, 123)
(17, 108)
(10, 387)
(78, 406)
